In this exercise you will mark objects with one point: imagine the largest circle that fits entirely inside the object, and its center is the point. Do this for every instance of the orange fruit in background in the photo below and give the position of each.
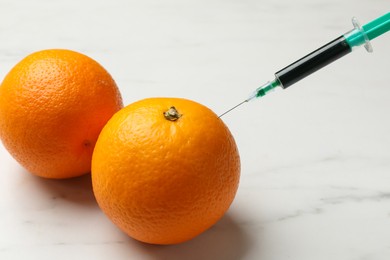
(165, 169)
(53, 105)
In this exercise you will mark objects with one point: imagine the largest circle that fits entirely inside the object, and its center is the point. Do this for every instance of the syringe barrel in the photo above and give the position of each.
(313, 62)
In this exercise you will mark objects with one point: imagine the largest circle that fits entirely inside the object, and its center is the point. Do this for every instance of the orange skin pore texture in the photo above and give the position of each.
(53, 105)
(164, 181)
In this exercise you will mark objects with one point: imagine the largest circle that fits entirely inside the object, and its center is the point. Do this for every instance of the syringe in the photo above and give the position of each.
(359, 35)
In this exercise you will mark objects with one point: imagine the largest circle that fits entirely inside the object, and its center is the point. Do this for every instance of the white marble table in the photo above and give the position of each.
(315, 178)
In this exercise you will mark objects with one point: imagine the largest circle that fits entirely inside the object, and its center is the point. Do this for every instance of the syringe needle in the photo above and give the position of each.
(259, 92)
(323, 56)
(233, 108)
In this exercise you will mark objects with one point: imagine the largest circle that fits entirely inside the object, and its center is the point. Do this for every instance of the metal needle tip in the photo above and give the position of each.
(233, 108)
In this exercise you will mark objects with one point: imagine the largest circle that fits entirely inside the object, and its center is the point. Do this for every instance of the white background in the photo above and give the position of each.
(315, 180)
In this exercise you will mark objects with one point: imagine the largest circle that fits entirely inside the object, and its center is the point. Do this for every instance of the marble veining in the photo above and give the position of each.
(315, 180)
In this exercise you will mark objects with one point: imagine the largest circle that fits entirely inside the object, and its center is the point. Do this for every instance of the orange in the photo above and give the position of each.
(165, 169)
(53, 105)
